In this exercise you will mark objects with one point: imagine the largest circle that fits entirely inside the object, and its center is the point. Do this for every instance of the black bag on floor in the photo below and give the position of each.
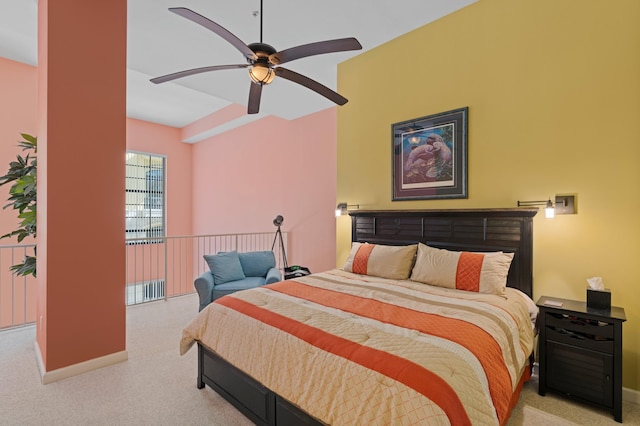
(295, 271)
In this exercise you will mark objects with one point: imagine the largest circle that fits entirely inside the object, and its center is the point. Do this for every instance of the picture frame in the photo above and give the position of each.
(429, 157)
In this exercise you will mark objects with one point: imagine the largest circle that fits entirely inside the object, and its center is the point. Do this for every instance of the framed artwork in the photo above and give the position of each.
(429, 159)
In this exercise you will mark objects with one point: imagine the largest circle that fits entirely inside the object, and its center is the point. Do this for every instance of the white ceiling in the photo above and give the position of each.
(161, 42)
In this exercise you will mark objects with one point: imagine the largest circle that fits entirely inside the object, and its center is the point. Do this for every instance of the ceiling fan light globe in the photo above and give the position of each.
(261, 74)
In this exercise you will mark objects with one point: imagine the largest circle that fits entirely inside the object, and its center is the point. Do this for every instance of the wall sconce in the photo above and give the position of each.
(549, 209)
(341, 208)
(565, 204)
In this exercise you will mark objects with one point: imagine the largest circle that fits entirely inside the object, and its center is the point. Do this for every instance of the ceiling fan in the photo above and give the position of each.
(264, 60)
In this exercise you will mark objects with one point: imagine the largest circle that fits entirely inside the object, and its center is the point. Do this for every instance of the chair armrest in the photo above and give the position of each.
(204, 286)
(273, 276)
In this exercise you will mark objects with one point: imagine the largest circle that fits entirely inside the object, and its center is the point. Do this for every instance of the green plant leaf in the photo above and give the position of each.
(31, 139)
(28, 267)
(22, 196)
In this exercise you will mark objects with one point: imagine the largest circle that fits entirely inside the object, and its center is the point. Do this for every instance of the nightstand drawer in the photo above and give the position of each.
(580, 373)
(586, 341)
(600, 329)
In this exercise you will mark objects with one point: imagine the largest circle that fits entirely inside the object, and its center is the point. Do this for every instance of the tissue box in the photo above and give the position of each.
(598, 299)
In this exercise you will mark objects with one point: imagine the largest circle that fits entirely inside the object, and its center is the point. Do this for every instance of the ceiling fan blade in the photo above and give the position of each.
(185, 73)
(317, 48)
(255, 92)
(311, 84)
(216, 28)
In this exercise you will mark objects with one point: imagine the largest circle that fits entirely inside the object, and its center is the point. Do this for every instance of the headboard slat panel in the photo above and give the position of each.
(509, 230)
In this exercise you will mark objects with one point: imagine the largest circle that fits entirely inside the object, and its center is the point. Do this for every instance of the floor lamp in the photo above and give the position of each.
(278, 222)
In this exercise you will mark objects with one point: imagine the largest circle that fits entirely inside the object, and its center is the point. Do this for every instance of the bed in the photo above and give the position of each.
(347, 347)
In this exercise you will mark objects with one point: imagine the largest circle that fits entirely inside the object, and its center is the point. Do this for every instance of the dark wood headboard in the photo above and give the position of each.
(481, 230)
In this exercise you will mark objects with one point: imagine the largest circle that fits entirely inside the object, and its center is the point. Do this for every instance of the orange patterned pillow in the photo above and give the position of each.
(392, 262)
(479, 272)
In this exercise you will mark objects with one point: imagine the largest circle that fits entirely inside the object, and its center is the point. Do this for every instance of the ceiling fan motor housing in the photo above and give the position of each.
(264, 48)
(261, 71)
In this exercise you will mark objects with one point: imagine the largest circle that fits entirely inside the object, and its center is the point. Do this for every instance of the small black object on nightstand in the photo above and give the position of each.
(580, 352)
(295, 271)
(599, 299)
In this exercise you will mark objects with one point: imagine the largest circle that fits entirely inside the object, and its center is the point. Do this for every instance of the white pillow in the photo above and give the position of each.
(479, 272)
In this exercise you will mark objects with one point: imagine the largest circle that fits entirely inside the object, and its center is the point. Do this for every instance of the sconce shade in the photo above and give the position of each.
(549, 210)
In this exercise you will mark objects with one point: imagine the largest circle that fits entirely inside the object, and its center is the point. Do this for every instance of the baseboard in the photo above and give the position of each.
(73, 370)
(631, 395)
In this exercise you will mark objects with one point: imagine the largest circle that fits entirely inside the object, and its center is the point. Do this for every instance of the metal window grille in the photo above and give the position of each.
(145, 197)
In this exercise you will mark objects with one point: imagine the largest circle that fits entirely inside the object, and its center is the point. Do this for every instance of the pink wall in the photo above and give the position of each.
(311, 175)
(247, 176)
(17, 115)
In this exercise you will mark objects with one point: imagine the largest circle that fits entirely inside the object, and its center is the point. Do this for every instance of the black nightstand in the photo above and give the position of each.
(580, 352)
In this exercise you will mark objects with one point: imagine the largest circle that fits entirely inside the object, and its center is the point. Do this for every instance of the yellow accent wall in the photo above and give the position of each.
(553, 90)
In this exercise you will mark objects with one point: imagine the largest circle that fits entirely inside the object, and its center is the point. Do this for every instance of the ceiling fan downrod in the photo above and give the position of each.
(260, 21)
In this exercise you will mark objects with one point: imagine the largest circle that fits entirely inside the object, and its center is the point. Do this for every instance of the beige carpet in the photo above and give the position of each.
(533, 416)
(555, 410)
(157, 386)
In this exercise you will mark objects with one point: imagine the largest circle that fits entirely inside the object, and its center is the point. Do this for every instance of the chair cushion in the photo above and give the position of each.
(257, 263)
(249, 282)
(225, 267)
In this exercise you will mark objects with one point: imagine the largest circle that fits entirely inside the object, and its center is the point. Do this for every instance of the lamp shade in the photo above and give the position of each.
(549, 210)
(261, 74)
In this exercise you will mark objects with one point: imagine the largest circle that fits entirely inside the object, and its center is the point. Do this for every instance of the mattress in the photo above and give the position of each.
(351, 349)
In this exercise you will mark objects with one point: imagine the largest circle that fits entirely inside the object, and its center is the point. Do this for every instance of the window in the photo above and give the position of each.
(144, 187)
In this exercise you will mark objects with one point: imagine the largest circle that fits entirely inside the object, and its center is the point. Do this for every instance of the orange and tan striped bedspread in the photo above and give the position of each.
(352, 349)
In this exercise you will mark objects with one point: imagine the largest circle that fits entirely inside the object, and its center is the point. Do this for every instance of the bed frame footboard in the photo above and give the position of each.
(258, 403)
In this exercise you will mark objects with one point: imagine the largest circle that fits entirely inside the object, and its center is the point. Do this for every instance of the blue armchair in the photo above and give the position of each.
(232, 271)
